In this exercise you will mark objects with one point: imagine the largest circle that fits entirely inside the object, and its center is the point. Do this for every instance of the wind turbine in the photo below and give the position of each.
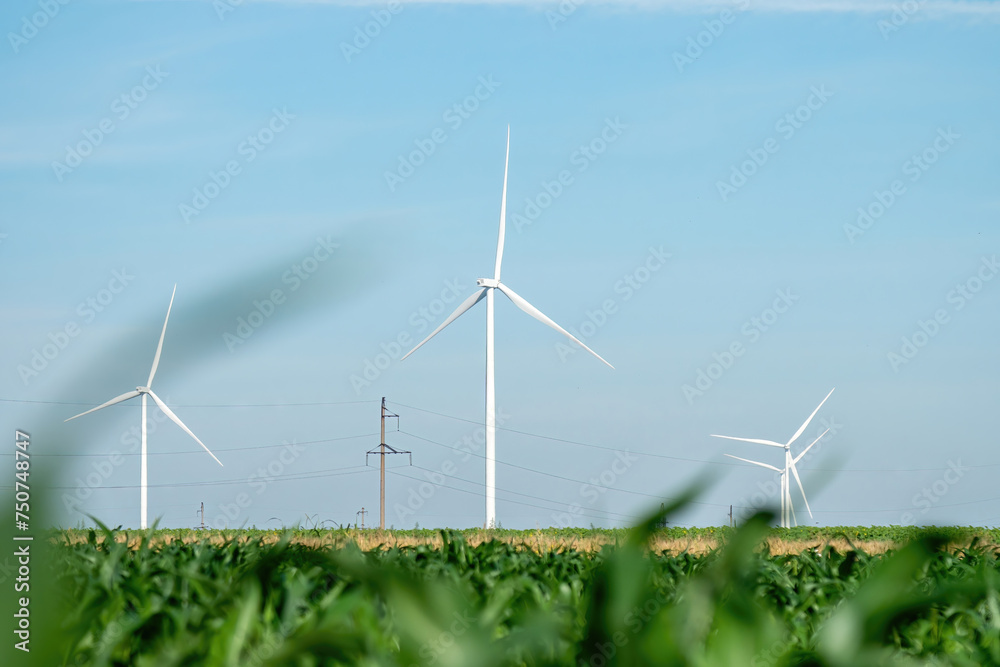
(487, 287)
(143, 391)
(787, 508)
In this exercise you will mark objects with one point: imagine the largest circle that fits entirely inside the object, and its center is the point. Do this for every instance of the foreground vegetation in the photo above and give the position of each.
(260, 599)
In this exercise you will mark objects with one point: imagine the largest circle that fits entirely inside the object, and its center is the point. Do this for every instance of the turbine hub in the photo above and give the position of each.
(488, 282)
(142, 390)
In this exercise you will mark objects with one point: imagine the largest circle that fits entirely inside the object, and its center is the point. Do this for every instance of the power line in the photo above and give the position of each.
(200, 451)
(679, 458)
(516, 493)
(568, 479)
(570, 442)
(516, 502)
(200, 405)
(479, 423)
(130, 508)
(312, 474)
(911, 508)
(334, 472)
(865, 511)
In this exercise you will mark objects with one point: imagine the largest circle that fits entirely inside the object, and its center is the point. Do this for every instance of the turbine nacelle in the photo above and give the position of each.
(488, 282)
(143, 390)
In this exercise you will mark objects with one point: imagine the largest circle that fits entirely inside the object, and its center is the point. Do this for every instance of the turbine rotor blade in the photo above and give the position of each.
(804, 425)
(521, 303)
(503, 211)
(803, 453)
(170, 413)
(756, 463)
(117, 399)
(795, 472)
(464, 306)
(159, 346)
(754, 440)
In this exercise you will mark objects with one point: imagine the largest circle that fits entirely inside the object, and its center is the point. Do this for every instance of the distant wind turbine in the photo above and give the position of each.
(787, 509)
(488, 286)
(143, 391)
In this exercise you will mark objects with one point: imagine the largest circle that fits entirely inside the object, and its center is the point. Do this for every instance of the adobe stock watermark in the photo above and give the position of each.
(225, 7)
(901, 15)
(625, 288)
(454, 117)
(121, 108)
(931, 495)
(769, 493)
(105, 466)
(564, 11)
(263, 309)
(248, 150)
(773, 654)
(960, 296)
(30, 25)
(58, 340)
(637, 618)
(434, 649)
(420, 320)
(115, 631)
(786, 126)
(471, 444)
(915, 167)
(363, 35)
(598, 485)
(259, 482)
(263, 651)
(752, 330)
(581, 158)
(698, 44)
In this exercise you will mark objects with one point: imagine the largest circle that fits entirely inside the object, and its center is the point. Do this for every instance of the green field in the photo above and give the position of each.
(870, 539)
(514, 598)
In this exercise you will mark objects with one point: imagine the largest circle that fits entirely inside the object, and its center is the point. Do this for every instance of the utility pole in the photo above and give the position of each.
(203, 515)
(363, 512)
(730, 516)
(382, 451)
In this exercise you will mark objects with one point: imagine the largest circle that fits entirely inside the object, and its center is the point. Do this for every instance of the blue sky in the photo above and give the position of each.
(739, 206)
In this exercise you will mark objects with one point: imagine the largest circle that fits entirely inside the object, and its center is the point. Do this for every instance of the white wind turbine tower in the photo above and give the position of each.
(787, 509)
(143, 391)
(488, 286)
